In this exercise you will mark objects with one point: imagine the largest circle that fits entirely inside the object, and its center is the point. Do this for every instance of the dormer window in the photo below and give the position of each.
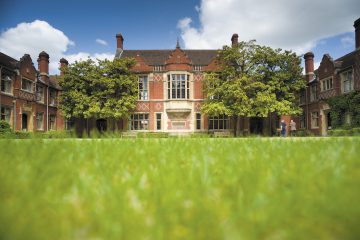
(6, 84)
(158, 68)
(198, 68)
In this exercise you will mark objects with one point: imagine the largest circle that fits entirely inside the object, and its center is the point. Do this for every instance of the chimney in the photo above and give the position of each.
(43, 63)
(357, 33)
(234, 39)
(63, 63)
(119, 41)
(309, 65)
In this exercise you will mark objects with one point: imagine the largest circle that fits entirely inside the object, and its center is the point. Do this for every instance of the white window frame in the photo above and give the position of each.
(344, 79)
(52, 126)
(139, 122)
(144, 89)
(25, 88)
(158, 68)
(40, 121)
(313, 93)
(326, 84)
(176, 90)
(198, 68)
(8, 83)
(157, 121)
(5, 113)
(40, 95)
(315, 120)
(52, 97)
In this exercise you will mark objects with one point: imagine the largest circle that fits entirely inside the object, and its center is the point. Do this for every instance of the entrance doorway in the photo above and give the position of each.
(328, 120)
(101, 125)
(24, 122)
(256, 125)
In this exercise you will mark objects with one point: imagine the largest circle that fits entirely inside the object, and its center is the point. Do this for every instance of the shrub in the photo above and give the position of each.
(152, 135)
(4, 127)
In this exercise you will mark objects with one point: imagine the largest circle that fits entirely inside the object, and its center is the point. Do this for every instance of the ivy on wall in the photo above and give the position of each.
(340, 106)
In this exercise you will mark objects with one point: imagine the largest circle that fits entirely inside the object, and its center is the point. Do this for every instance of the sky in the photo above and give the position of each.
(77, 30)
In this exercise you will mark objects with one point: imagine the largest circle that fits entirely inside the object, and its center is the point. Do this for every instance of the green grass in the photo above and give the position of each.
(259, 188)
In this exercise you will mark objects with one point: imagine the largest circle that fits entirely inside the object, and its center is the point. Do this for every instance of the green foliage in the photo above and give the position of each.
(4, 127)
(344, 131)
(253, 188)
(102, 90)
(342, 105)
(253, 81)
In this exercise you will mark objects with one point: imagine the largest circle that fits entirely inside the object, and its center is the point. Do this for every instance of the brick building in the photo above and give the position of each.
(28, 97)
(332, 78)
(171, 92)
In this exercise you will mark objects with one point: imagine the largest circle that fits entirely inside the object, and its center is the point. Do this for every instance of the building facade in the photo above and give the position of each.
(332, 78)
(171, 93)
(28, 96)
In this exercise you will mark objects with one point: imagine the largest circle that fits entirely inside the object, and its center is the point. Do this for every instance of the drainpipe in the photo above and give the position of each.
(307, 108)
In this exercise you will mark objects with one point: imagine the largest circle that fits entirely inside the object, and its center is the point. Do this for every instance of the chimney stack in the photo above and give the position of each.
(43, 63)
(234, 39)
(309, 65)
(357, 33)
(119, 41)
(63, 63)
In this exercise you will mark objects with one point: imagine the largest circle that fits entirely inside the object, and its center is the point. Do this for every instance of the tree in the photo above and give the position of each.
(253, 81)
(104, 90)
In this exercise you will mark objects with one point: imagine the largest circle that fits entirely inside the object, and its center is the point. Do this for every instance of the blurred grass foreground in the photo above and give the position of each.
(257, 188)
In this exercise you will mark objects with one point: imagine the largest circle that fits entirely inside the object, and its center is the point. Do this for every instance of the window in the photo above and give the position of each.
(158, 68)
(158, 121)
(302, 97)
(40, 93)
(198, 68)
(6, 84)
(69, 124)
(313, 93)
(52, 97)
(314, 119)
(327, 84)
(139, 121)
(198, 121)
(5, 114)
(27, 85)
(218, 123)
(347, 81)
(303, 121)
(178, 86)
(40, 121)
(143, 88)
(52, 122)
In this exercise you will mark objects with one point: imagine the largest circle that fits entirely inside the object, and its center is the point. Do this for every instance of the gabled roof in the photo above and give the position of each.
(53, 82)
(8, 61)
(159, 57)
(348, 59)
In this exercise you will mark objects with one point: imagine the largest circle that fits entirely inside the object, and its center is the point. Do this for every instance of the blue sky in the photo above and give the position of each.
(70, 28)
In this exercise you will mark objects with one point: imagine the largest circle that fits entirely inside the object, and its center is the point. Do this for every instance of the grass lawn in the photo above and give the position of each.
(257, 188)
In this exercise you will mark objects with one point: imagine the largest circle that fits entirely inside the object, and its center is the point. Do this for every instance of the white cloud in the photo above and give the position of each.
(347, 41)
(101, 42)
(37, 36)
(296, 25)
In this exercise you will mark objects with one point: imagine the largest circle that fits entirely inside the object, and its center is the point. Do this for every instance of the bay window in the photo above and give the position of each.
(178, 86)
